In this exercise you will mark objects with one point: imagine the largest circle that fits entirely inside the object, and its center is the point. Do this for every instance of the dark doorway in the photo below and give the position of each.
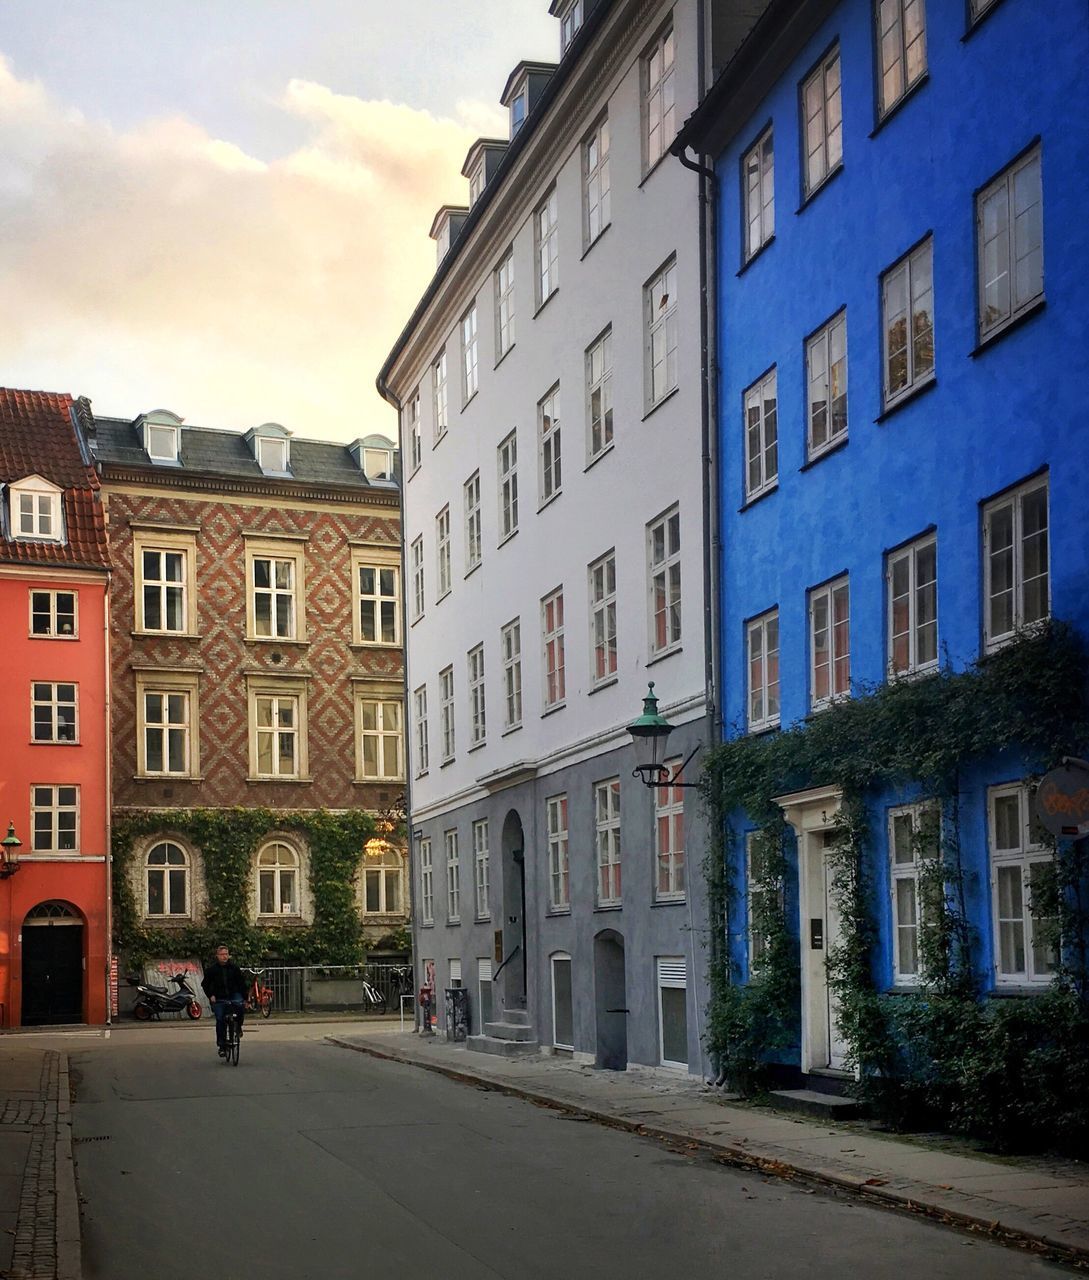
(52, 965)
(512, 990)
(610, 1002)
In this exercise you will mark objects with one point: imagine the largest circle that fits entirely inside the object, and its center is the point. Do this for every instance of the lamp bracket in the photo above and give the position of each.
(658, 775)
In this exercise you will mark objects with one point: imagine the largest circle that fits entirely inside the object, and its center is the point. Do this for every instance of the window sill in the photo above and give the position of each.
(292, 921)
(434, 445)
(906, 398)
(140, 633)
(755, 254)
(506, 538)
(993, 646)
(418, 618)
(665, 653)
(378, 782)
(975, 23)
(421, 774)
(482, 919)
(477, 746)
(558, 911)
(544, 303)
(910, 677)
(556, 706)
(32, 636)
(276, 781)
(467, 402)
(413, 473)
(900, 103)
(602, 684)
(758, 730)
(452, 921)
(1008, 326)
(595, 240)
(471, 570)
(514, 728)
(659, 402)
(52, 742)
(549, 500)
(670, 902)
(653, 169)
(168, 778)
(608, 906)
(440, 599)
(274, 640)
(759, 496)
(427, 924)
(445, 764)
(1020, 991)
(504, 355)
(826, 452)
(824, 183)
(364, 646)
(604, 453)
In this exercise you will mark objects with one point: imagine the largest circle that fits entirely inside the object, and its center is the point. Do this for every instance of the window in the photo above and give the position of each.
(442, 552)
(761, 437)
(54, 614)
(664, 575)
(907, 300)
(517, 112)
(484, 987)
(54, 819)
(161, 442)
(276, 591)
(595, 182)
(36, 510)
(378, 463)
(603, 618)
(660, 319)
(165, 730)
(548, 422)
(570, 21)
(278, 728)
(382, 882)
(504, 306)
(669, 839)
(563, 1009)
(658, 99)
(164, 563)
(912, 579)
(510, 639)
(377, 577)
(764, 896)
(417, 578)
(980, 7)
(1016, 562)
(478, 724)
(901, 44)
(607, 838)
(1021, 883)
(167, 880)
(914, 840)
(480, 869)
(278, 880)
(673, 1010)
(419, 700)
(427, 883)
(472, 522)
(412, 430)
(439, 396)
(54, 712)
(758, 194)
(826, 378)
(763, 656)
(508, 487)
(547, 248)
(822, 122)
(599, 393)
(476, 182)
(559, 871)
(469, 373)
(1010, 236)
(272, 454)
(829, 643)
(446, 712)
(381, 742)
(453, 878)
(552, 634)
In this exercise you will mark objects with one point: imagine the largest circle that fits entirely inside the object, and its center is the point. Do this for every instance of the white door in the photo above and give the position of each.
(835, 1045)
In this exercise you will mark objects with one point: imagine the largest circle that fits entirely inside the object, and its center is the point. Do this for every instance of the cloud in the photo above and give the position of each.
(163, 266)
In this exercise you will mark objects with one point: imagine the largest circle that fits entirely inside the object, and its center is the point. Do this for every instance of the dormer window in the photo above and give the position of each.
(570, 21)
(518, 112)
(378, 464)
(272, 455)
(36, 510)
(161, 433)
(476, 181)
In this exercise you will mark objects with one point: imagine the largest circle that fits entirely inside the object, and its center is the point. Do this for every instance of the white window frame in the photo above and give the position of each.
(664, 583)
(559, 958)
(470, 355)
(381, 604)
(546, 247)
(46, 801)
(387, 869)
(161, 442)
(419, 705)
(669, 860)
(474, 546)
(549, 456)
(386, 711)
(919, 596)
(1028, 854)
(507, 462)
(185, 866)
(570, 22)
(1002, 193)
(672, 975)
(36, 513)
(440, 403)
(601, 583)
(911, 817)
(607, 842)
(54, 694)
(822, 122)
(660, 333)
(761, 715)
(443, 566)
(552, 644)
(417, 554)
(657, 74)
(413, 431)
(892, 39)
(826, 386)
(481, 870)
(476, 181)
(757, 944)
(758, 193)
(427, 882)
(453, 876)
(478, 715)
(446, 713)
(276, 553)
(1013, 501)
(559, 863)
(289, 869)
(273, 455)
(835, 653)
(761, 427)
(47, 605)
(183, 588)
(282, 692)
(504, 305)
(510, 639)
(165, 727)
(599, 395)
(596, 195)
(917, 269)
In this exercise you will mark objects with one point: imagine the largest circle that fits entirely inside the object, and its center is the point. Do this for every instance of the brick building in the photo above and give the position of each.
(256, 660)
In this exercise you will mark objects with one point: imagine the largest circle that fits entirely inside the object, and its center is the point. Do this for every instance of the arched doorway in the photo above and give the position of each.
(610, 1001)
(514, 913)
(52, 965)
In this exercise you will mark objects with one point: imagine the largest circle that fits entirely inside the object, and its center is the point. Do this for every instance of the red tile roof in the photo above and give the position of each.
(38, 437)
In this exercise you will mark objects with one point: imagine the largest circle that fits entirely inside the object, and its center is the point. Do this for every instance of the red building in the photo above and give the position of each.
(54, 705)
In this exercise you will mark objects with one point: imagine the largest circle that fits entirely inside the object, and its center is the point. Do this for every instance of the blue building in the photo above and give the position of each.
(901, 248)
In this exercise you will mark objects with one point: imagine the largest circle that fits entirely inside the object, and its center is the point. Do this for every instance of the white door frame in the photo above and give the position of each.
(811, 813)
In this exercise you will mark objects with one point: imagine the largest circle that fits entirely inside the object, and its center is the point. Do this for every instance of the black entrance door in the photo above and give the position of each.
(52, 974)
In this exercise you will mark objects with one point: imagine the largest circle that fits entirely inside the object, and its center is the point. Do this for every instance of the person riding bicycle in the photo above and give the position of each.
(224, 985)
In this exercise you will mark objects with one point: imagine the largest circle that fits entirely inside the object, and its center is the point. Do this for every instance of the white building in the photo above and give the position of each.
(549, 388)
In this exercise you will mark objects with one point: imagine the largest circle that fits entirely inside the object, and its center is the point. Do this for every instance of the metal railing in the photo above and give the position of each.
(334, 988)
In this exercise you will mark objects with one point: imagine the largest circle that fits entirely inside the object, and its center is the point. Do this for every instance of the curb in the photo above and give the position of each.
(737, 1157)
(69, 1265)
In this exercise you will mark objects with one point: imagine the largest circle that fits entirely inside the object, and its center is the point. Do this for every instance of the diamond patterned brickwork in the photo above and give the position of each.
(223, 655)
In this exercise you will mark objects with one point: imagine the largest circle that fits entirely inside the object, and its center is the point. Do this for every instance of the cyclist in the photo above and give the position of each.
(224, 985)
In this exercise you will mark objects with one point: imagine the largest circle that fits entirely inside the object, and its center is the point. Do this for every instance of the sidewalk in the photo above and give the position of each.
(39, 1211)
(1041, 1203)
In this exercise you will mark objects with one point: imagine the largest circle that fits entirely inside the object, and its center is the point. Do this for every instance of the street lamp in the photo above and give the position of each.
(9, 859)
(650, 732)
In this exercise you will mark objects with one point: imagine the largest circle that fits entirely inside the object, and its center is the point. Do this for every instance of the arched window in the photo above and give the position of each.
(382, 879)
(278, 880)
(167, 880)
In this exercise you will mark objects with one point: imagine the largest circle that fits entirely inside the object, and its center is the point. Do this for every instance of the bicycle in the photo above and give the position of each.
(259, 997)
(232, 1035)
(373, 997)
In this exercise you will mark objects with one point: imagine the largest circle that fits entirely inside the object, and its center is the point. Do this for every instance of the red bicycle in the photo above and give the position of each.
(259, 996)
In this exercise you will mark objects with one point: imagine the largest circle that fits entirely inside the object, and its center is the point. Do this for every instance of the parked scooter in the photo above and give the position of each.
(153, 1001)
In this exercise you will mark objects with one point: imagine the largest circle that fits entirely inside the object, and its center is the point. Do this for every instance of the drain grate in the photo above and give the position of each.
(101, 1137)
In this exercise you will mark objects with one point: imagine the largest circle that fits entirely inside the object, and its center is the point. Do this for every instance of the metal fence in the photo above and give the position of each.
(336, 988)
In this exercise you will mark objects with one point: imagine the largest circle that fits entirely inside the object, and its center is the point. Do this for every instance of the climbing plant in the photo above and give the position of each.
(1015, 1072)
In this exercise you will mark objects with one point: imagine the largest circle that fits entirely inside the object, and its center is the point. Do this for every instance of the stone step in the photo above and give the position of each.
(509, 1031)
(502, 1048)
(519, 1017)
(828, 1106)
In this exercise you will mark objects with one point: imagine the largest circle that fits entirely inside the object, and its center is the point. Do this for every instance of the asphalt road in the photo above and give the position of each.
(309, 1161)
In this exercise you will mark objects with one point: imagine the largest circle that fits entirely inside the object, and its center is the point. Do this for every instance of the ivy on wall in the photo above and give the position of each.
(1014, 1072)
(228, 840)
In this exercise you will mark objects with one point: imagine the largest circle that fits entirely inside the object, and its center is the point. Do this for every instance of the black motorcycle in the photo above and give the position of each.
(153, 1001)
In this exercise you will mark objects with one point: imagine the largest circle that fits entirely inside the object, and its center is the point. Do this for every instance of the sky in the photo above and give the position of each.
(221, 207)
